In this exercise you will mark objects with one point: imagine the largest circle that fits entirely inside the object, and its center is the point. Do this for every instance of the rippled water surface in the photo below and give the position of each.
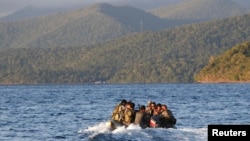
(79, 112)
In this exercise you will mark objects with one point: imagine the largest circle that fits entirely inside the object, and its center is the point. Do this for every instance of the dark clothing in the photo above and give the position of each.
(167, 119)
(155, 121)
(141, 119)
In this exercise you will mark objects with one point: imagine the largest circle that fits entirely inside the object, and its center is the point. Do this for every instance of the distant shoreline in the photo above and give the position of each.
(200, 82)
(219, 82)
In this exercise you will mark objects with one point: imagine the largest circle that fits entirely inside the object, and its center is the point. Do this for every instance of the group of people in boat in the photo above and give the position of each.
(153, 115)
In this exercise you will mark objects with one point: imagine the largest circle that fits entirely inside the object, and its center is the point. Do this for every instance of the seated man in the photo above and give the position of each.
(167, 119)
(118, 112)
(155, 117)
(141, 117)
(129, 114)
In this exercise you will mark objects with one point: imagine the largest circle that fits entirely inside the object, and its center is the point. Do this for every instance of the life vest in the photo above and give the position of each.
(128, 116)
(118, 112)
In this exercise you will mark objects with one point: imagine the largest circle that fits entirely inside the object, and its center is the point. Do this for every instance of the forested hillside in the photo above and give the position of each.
(89, 25)
(94, 24)
(231, 66)
(173, 55)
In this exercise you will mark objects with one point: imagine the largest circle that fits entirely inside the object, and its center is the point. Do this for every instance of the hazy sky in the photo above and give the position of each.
(8, 6)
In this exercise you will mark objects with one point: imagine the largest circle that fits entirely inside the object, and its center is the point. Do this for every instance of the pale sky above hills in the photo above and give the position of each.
(9, 6)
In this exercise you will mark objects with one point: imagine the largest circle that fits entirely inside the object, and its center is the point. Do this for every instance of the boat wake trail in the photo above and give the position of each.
(95, 131)
(102, 132)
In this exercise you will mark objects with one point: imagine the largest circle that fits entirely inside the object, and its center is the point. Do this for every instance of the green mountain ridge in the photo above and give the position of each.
(172, 55)
(94, 24)
(90, 25)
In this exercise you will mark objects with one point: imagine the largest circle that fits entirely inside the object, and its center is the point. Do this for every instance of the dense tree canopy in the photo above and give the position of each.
(173, 55)
(231, 66)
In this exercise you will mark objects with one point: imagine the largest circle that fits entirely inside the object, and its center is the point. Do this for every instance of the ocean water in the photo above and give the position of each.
(79, 112)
